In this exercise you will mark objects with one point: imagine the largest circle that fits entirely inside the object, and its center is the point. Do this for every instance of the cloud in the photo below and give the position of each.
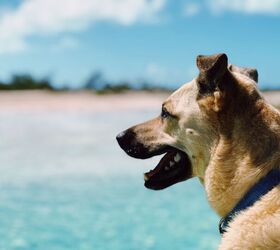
(156, 71)
(191, 9)
(66, 42)
(267, 7)
(41, 17)
(169, 76)
(271, 7)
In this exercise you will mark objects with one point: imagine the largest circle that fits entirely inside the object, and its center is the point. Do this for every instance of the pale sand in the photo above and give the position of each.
(86, 101)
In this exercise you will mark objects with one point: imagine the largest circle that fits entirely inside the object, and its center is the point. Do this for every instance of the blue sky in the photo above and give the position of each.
(155, 40)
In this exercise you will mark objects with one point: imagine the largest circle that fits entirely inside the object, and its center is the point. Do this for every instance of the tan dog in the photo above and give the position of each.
(218, 128)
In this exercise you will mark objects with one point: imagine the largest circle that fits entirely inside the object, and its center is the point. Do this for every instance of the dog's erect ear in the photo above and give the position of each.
(212, 69)
(213, 66)
(249, 72)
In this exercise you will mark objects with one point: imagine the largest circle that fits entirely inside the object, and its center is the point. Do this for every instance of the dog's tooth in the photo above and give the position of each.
(177, 157)
(166, 168)
(171, 163)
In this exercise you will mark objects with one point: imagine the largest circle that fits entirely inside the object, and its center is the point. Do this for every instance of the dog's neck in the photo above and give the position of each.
(238, 161)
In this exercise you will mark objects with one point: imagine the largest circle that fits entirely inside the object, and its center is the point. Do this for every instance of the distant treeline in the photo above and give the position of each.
(25, 82)
(95, 82)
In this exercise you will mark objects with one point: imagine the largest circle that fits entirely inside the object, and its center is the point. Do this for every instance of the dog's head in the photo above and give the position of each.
(189, 124)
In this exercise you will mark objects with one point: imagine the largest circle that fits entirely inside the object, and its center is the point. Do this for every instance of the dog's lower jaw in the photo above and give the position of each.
(174, 167)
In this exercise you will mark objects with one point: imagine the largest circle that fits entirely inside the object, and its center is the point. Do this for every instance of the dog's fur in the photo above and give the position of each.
(231, 136)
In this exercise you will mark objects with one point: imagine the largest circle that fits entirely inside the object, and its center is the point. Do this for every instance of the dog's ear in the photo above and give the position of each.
(215, 64)
(212, 70)
(249, 72)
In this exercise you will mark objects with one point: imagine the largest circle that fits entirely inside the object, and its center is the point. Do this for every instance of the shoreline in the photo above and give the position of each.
(88, 101)
(78, 101)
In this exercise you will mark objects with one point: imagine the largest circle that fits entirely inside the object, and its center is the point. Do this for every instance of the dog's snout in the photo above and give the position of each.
(129, 143)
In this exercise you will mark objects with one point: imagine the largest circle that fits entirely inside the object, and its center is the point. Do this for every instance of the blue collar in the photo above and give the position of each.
(265, 184)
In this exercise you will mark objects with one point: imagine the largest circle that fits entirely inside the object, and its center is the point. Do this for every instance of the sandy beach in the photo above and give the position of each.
(86, 101)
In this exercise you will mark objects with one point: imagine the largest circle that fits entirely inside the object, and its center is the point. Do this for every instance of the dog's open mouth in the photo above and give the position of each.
(174, 167)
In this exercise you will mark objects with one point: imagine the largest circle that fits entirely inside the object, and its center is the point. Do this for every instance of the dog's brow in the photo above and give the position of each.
(165, 106)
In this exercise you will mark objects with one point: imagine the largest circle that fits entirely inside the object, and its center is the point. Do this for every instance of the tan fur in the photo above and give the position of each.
(235, 166)
(257, 227)
(232, 139)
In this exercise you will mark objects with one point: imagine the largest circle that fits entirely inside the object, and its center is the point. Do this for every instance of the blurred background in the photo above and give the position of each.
(74, 73)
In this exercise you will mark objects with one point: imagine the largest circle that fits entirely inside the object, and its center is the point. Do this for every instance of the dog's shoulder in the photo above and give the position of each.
(257, 227)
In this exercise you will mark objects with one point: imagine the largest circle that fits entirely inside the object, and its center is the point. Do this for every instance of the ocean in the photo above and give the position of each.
(66, 184)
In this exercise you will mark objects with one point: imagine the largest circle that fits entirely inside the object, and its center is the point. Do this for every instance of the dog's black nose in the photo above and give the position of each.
(119, 137)
(129, 143)
(125, 138)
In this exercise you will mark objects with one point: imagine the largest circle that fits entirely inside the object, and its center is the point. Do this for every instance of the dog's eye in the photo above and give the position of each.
(164, 113)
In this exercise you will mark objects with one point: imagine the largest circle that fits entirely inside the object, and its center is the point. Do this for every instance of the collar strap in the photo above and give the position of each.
(265, 184)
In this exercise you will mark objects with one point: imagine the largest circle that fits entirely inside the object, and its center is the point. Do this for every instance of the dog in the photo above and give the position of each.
(219, 128)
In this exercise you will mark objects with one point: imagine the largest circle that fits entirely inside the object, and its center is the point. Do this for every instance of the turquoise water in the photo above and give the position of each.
(65, 184)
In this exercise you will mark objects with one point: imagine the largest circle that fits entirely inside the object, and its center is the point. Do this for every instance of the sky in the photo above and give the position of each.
(136, 40)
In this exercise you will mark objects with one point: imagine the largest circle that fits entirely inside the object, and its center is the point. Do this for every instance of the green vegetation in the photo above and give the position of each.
(100, 85)
(119, 88)
(96, 82)
(25, 82)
